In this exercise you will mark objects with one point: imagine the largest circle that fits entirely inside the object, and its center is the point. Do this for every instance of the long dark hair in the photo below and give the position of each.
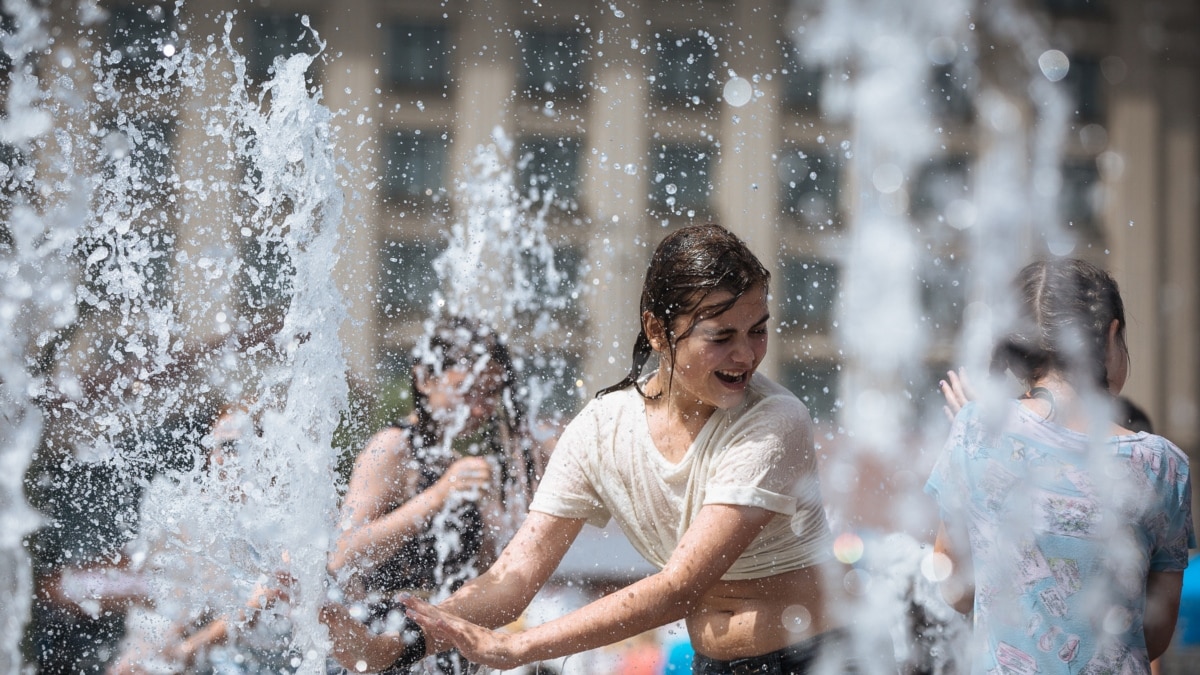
(690, 264)
(1065, 309)
(459, 341)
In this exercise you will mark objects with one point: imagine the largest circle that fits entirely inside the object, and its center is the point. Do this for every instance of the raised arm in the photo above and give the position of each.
(383, 509)
(715, 539)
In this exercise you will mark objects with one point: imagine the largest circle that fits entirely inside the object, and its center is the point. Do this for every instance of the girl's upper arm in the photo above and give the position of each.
(716, 538)
(500, 594)
(376, 479)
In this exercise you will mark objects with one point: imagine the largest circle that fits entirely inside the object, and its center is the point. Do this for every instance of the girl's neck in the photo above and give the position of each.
(678, 407)
(1056, 400)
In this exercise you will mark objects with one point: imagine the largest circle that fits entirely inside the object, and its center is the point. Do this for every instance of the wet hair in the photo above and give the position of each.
(454, 342)
(1065, 309)
(690, 264)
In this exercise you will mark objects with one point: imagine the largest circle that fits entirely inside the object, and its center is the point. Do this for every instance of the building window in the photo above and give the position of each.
(941, 192)
(810, 180)
(266, 274)
(809, 294)
(1085, 87)
(273, 35)
(552, 63)
(1080, 8)
(1081, 198)
(943, 296)
(816, 384)
(140, 152)
(553, 376)
(801, 82)
(407, 278)
(549, 168)
(681, 183)
(683, 73)
(141, 34)
(553, 289)
(414, 164)
(418, 56)
(950, 95)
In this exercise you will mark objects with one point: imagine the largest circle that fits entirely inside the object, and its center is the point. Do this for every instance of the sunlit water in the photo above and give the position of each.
(273, 506)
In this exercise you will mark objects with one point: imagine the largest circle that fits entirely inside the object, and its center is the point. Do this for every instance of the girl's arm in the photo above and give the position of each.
(374, 531)
(1162, 610)
(495, 598)
(958, 589)
(715, 539)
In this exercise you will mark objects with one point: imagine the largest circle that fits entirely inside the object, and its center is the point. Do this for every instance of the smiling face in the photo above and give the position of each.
(461, 399)
(713, 361)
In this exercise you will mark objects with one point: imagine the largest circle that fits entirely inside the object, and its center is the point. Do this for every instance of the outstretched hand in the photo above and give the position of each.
(476, 643)
(957, 391)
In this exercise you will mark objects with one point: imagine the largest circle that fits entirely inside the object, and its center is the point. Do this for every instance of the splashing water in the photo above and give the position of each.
(122, 416)
(884, 50)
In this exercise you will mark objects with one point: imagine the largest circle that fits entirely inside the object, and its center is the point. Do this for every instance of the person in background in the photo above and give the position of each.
(708, 467)
(177, 625)
(431, 497)
(1067, 533)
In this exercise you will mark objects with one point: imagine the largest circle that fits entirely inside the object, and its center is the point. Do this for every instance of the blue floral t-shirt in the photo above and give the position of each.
(1063, 531)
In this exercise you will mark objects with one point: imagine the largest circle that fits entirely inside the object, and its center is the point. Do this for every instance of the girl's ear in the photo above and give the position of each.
(656, 333)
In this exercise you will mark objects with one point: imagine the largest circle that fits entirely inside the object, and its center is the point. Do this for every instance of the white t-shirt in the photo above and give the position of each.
(758, 454)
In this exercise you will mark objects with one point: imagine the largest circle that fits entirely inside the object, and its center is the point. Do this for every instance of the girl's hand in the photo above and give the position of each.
(467, 474)
(957, 391)
(477, 644)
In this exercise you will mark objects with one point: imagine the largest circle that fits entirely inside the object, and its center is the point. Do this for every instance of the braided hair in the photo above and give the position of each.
(1065, 309)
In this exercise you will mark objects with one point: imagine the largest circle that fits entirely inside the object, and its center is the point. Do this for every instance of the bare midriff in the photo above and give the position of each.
(736, 619)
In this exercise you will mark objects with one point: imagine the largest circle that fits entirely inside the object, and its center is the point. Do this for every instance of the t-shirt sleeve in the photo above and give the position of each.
(768, 461)
(1174, 533)
(566, 490)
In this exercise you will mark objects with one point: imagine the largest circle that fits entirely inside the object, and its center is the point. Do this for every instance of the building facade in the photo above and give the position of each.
(621, 123)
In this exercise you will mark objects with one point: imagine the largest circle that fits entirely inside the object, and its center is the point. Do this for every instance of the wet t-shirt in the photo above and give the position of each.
(759, 454)
(1063, 531)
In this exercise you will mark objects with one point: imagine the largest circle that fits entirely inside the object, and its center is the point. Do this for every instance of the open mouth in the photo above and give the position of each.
(732, 378)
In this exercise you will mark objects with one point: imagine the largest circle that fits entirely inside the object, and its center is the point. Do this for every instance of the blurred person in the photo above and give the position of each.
(192, 562)
(1067, 532)
(431, 497)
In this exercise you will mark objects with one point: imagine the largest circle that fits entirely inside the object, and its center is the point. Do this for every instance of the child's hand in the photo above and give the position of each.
(957, 391)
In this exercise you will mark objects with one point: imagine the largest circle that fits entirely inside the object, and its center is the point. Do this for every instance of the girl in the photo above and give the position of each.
(1068, 533)
(709, 469)
(428, 496)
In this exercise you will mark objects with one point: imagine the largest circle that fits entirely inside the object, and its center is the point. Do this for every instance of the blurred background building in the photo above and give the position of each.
(619, 120)
(619, 126)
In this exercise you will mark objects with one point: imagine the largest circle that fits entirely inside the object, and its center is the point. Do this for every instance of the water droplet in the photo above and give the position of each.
(738, 91)
(1054, 64)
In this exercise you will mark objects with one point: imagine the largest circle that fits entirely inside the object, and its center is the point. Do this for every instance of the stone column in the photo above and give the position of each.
(1132, 222)
(747, 198)
(614, 178)
(351, 83)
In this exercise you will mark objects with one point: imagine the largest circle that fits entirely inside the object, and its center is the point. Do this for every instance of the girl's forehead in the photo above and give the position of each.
(717, 304)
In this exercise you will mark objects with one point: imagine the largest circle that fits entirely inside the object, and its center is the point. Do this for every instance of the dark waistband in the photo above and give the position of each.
(802, 652)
